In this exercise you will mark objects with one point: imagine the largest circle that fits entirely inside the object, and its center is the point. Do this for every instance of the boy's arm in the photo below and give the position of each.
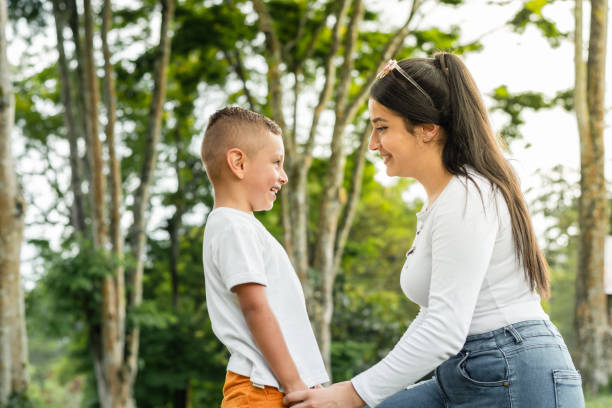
(268, 335)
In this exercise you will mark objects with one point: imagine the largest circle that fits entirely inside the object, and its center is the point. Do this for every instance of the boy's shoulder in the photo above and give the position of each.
(221, 216)
(230, 221)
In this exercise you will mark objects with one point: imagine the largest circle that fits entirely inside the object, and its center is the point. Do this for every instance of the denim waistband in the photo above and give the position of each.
(514, 333)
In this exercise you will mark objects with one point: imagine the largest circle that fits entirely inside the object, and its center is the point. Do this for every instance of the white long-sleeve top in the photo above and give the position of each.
(463, 272)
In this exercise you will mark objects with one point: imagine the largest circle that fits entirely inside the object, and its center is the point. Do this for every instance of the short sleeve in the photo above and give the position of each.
(238, 255)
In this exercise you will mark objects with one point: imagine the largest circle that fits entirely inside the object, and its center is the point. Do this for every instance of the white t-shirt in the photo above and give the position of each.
(238, 249)
(463, 272)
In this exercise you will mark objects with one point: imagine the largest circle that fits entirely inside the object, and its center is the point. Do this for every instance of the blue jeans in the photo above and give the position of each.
(523, 365)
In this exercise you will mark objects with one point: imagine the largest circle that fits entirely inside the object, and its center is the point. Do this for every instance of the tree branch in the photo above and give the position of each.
(115, 186)
(349, 63)
(391, 48)
(78, 214)
(296, 41)
(313, 42)
(353, 197)
(330, 79)
(273, 57)
(141, 199)
(235, 61)
(580, 95)
(98, 183)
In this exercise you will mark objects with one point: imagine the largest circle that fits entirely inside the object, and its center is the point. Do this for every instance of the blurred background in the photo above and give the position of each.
(103, 198)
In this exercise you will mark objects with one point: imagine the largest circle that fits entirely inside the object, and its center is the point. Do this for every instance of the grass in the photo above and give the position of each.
(599, 401)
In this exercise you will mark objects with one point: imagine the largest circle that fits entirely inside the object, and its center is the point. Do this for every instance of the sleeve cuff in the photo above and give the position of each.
(359, 383)
(245, 278)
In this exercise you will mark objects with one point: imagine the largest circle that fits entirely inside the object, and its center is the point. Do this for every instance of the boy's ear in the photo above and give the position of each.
(236, 160)
(429, 132)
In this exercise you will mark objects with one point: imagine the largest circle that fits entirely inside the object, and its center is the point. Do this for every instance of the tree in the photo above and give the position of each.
(593, 312)
(593, 325)
(113, 340)
(13, 338)
(316, 248)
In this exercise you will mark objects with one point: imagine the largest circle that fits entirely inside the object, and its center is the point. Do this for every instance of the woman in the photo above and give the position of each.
(474, 267)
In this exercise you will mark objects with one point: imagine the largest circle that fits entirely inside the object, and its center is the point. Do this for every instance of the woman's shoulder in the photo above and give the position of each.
(471, 184)
(469, 193)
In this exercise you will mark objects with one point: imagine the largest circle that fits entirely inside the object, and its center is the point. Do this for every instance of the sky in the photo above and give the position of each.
(523, 62)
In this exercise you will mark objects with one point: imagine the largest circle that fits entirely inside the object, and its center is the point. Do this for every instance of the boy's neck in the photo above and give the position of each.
(225, 197)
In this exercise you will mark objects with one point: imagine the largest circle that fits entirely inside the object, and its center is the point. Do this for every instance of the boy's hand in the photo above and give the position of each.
(297, 386)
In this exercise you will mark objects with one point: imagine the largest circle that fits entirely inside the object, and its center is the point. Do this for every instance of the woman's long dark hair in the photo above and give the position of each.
(469, 140)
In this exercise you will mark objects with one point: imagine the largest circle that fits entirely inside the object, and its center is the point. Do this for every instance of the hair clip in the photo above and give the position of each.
(391, 65)
(387, 68)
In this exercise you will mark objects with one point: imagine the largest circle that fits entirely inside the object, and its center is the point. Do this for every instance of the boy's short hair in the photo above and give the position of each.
(232, 127)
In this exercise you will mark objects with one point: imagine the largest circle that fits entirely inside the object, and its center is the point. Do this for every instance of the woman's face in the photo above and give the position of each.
(396, 145)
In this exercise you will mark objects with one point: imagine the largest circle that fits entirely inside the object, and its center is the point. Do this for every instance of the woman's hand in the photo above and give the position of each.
(341, 395)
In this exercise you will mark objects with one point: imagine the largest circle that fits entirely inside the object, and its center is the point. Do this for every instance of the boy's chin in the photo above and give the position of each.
(264, 207)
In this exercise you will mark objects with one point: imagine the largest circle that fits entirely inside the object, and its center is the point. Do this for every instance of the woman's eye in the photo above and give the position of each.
(381, 128)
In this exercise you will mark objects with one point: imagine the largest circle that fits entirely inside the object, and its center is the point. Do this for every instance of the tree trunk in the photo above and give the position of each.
(77, 210)
(175, 224)
(114, 347)
(591, 322)
(82, 98)
(13, 340)
(137, 235)
(111, 349)
(317, 268)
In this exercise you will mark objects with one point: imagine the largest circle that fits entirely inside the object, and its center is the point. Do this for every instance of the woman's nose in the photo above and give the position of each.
(374, 143)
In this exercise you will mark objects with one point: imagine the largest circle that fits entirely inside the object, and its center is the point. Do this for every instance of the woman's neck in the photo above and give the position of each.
(435, 180)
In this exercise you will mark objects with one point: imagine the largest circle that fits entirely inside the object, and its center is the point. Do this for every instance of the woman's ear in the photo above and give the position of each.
(429, 132)
(236, 160)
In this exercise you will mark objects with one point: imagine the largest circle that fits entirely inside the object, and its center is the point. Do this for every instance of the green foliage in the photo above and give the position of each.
(531, 14)
(36, 106)
(59, 353)
(557, 201)
(515, 104)
(599, 401)
(20, 400)
(203, 36)
(184, 353)
(74, 280)
(33, 11)
(434, 39)
(371, 312)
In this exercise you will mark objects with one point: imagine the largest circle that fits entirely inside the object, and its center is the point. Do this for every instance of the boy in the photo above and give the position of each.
(255, 301)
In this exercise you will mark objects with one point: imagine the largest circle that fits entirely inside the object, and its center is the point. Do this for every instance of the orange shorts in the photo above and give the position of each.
(239, 392)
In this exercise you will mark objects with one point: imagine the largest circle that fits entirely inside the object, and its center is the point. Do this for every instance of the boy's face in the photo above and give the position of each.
(264, 174)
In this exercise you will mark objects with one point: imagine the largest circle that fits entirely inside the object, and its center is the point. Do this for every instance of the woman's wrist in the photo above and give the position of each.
(351, 392)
